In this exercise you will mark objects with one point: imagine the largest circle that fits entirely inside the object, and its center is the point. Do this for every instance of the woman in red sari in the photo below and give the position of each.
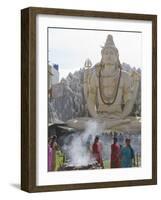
(115, 154)
(97, 151)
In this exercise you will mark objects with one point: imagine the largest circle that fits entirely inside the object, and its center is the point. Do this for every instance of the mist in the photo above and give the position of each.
(78, 146)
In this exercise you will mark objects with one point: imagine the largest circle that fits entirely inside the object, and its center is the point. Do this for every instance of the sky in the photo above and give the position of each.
(69, 48)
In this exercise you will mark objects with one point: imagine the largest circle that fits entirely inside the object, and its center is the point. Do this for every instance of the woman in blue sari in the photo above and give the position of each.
(127, 154)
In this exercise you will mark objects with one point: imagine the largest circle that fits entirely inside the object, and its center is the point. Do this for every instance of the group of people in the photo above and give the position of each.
(121, 155)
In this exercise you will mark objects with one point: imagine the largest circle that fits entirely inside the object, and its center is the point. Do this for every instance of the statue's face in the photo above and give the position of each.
(109, 56)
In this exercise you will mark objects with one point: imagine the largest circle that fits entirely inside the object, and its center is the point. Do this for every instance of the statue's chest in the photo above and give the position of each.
(108, 82)
(108, 86)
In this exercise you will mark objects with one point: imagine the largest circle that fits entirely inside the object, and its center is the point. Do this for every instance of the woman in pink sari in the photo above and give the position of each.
(52, 147)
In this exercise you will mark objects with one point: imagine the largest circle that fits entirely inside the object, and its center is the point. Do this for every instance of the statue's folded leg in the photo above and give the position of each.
(123, 125)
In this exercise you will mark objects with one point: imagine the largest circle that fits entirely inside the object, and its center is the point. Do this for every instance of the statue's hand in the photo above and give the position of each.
(95, 115)
(112, 116)
(109, 116)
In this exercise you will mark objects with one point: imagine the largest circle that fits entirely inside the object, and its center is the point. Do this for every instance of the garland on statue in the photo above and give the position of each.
(100, 90)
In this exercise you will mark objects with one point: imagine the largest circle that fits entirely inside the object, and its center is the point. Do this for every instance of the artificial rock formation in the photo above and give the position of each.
(67, 100)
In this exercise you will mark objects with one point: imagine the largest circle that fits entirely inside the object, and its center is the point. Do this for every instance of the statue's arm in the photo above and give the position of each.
(127, 109)
(91, 105)
(127, 94)
(91, 99)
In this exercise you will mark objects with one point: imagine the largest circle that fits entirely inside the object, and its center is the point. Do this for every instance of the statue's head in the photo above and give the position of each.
(110, 55)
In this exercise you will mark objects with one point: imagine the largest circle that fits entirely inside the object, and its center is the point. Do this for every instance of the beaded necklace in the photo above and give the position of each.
(106, 102)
